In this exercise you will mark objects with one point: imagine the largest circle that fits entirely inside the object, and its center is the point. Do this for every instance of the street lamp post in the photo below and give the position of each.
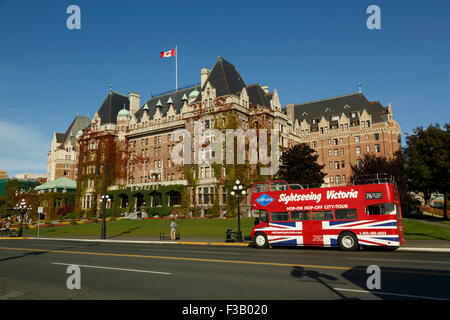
(22, 207)
(104, 198)
(238, 190)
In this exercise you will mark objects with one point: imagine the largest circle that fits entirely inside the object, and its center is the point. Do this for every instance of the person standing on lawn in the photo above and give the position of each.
(173, 230)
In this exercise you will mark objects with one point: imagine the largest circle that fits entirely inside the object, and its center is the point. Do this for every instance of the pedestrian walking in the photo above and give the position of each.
(173, 230)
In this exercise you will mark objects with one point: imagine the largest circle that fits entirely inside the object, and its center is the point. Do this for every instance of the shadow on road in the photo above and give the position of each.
(300, 272)
(402, 283)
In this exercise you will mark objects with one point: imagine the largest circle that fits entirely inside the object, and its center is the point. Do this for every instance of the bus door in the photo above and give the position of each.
(314, 229)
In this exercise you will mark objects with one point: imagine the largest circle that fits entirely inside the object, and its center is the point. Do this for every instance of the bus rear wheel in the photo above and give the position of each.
(348, 241)
(260, 241)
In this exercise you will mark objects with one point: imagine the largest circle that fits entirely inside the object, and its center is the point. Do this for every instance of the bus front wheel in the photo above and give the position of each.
(260, 241)
(348, 241)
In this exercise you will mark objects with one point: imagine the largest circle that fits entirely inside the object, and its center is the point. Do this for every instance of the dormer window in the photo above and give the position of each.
(327, 110)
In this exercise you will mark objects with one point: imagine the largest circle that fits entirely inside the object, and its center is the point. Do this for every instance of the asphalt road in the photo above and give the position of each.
(37, 269)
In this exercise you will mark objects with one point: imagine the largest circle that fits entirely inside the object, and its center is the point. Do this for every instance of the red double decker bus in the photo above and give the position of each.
(347, 217)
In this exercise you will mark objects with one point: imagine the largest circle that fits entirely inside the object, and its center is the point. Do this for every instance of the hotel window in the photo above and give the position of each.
(336, 164)
(321, 130)
(338, 179)
(346, 127)
(376, 136)
(224, 195)
(363, 124)
(368, 148)
(341, 127)
(331, 179)
(357, 139)
(331, 165)
(326, 129)
(358, 150)
(336, 152)
(367, 136)
(207, 124)
(359, 163)
(341, 140)
(343, 178)
(330, 152)
(342, 151)
(368, 123)
(377, 148)
(307, 133)
(342, 164)
(335, 141)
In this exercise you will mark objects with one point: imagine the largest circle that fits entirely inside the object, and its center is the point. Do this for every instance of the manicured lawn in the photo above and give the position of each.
(213, 228)
(206, 228)
(415, 229)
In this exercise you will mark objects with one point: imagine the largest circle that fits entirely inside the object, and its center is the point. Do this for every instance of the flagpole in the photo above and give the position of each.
(176, 68)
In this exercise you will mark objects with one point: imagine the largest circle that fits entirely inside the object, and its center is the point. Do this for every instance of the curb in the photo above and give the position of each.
(424, 249)
(146, 241)
(231, 244)
(15, 238)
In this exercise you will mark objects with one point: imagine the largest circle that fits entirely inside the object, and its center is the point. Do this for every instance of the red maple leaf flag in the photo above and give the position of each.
(167, 54)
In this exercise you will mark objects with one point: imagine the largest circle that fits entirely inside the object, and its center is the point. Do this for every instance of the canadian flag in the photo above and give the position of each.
(166, 54)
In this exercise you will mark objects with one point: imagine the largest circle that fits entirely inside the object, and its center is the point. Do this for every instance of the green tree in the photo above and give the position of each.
(428, 163)
(298, 164)
(371, 164)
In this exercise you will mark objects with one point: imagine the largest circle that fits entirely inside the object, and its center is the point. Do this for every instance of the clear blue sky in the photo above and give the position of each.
(307, 50)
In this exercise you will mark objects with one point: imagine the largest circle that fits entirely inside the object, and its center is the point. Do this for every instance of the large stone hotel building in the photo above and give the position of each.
(132, 140)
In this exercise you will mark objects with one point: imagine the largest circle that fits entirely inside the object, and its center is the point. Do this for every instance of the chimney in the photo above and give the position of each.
(290, 111)
(265, 89)
(135, 101)
(204, 75)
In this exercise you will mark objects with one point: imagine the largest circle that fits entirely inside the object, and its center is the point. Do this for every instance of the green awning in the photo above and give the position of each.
(61, 183)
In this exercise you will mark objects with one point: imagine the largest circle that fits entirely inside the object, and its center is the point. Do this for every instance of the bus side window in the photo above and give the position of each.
(300, 215)
(261, 187)
(322, 215)
(263, 216)
(342, 214)
(381, 208)
(279, 216)
(278, 186)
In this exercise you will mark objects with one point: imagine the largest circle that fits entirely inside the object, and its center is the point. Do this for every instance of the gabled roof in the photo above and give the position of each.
(113, 103)
(224, 78)
(338, 105)
(176, 97)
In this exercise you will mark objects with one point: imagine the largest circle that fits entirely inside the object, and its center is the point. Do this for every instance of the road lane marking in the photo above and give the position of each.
(111, 268)
(402, 271)
(10, 295)
(388, 260)
(390, 294)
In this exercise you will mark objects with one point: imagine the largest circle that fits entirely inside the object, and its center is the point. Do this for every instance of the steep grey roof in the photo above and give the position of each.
(79, 123)
(176, 97)
(256, 95)
(60, 137)
(337, 105)
(224, 78)
(113, 103)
